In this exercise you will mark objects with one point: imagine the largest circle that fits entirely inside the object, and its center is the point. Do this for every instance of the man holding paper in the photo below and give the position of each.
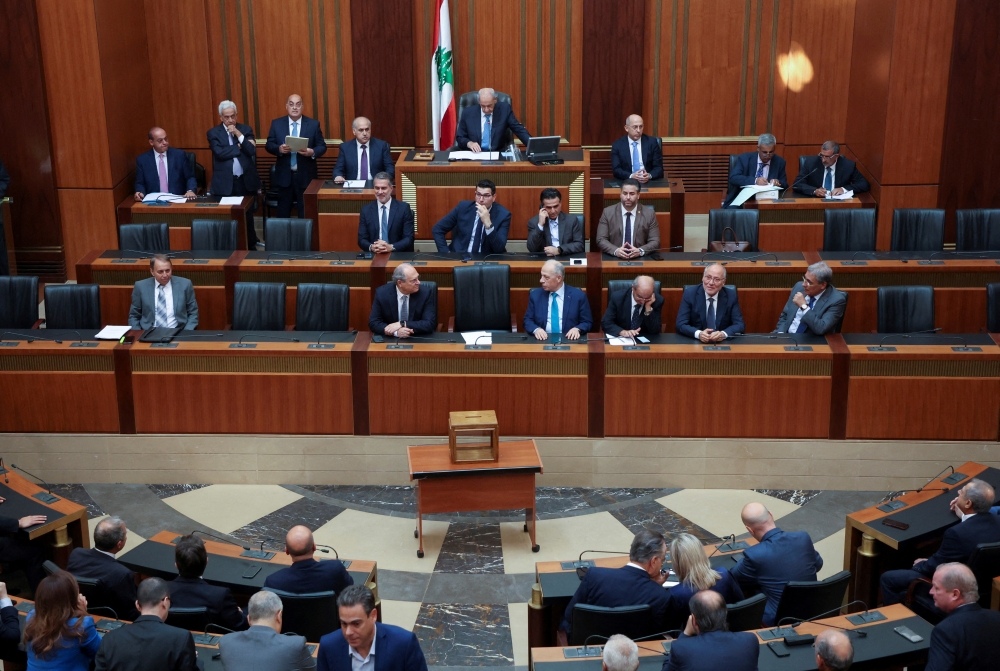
(163, 170)
(830, 175)
(757, 168)
(163, 301)
(297, 141)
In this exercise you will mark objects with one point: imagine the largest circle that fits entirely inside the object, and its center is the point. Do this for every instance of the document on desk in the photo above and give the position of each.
(297, 143)
(621, 342)
(112, 332)
(751, 190)
(474, 156)
(478, 338)
(231, 200)
(847, 195)
(354, 184)
(160, 197)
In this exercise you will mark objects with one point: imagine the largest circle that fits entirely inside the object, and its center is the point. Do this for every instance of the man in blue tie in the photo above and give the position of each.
(710, 311)
(829, 174)
(483, 127)
(760, 168)
(815, 305)
(293, 170)
(636, 156)
(557, 308)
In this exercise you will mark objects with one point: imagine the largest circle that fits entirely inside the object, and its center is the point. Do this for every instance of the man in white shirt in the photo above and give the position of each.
(815, 305)
(363, 157)
(163, 301)
(553, 232)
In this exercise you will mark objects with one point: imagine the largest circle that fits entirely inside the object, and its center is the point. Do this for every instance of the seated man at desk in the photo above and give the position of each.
(709, 312)
(17, 552)
(163, 170)
(115, 582)
(364, 156)
(163, 301)
(189, 589)
(635, 311)
(482, 127)
(829, 174)
(628, 230)
(306, 575)
(636, 156)
(557, 307)
(554, 232)
(967, 637)
(815, 305)
(385, 225)
(401, 309)
(706, 644)
(761, 167)
(479, 226)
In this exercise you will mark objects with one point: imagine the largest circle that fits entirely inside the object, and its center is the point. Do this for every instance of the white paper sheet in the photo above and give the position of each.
(750, 190)
(620, 342)
(478, 338)
(297, 143)
(163, 198)
(474, 156)
(354, 184)
(112, 332)
(231, 200)
(847, 195)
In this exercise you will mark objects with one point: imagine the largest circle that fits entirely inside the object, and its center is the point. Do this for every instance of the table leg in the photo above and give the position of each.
(420, 534)
(529, 526)
(62, 545)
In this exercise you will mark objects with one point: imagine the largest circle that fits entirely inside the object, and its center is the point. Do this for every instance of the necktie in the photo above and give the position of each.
(628, 228)
(554, 313)
(487, 130)
(802, 328)
(477, 237)
(636, 317)
(385, 225)
(363, 171)
(809, 301)
(161, 307)
(295, 133)
(828, 179)
(237, 168)
(161, 169)
(636, 166)
(404, 310)
(760, 169)
(710, 317)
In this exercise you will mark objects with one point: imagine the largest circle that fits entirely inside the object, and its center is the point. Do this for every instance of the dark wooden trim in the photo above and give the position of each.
(231, 275)
(594, 287)
(676, 214)
(123, 387)
(310, 199)
(378, 273)
(124, 211)
(84, 273)
(596, 208)
(359, 382)
(595, 388)
(840, 370)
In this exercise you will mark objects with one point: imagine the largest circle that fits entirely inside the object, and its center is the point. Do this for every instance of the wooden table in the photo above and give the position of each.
(335, 212)
(665, 196)
(796, 224)
(178, 216)
(444, 487)
(66, 527)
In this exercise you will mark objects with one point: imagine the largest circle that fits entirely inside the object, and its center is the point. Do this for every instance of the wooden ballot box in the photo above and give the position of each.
(473, 435)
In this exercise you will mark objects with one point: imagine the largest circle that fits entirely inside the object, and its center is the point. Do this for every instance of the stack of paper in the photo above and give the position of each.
(847, 195)
(750, 190)
(354, 184)
(474, 156)
(478, 338)
(112, 332)
(159, 197)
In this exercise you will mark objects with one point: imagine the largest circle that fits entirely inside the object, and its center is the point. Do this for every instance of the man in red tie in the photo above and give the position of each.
(163, 170)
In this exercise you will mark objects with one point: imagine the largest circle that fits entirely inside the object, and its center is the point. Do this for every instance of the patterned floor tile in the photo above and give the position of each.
(78, 494)
(651, 515)
(271, 528)
(463, 635)
(230, 507)
(398, 499)
(471, 547)
(799, 497)
(166, 491)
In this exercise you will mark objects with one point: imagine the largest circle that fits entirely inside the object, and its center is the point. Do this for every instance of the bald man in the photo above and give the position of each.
(834, 651)
(635, 311)
(635, 155)
(967, 638)
(293, 170)
(484, 127)
(163, 169)
(364, 156)
(306, 575)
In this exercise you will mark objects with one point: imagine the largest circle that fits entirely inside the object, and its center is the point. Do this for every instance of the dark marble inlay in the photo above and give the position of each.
(556, 501)
(272, 528)
(394, 498)
(166, 491)
(465, 635)
(78, 494)
(471, 547)
(799, 497)
(653, 516)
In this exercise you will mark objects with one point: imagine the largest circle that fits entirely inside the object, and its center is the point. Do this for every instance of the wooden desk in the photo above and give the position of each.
(7, 224)
(444, 487)
(665, 196)
(335, 212)
(66, 526)
(796, 224)
(178, 216)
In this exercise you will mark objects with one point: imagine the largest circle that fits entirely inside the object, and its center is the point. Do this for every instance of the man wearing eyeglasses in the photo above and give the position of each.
(477, 226)
(829, 174)
(293, 170)
(709, 311)
(761, 167)
(815, 305)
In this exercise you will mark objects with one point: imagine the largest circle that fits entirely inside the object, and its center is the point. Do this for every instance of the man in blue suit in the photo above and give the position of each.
(364, 156)
(306, 575)
(483, 127)
(761, 167)
(830, 174)
(163, 170)
(163, 300)
(479, 226)
(234, 162)
(294, 170)
(403, 308)
(385, 225)
(706, 644)
(364, 643)
(709, 312)
(556, 307)
(636, 156)
(778, 557)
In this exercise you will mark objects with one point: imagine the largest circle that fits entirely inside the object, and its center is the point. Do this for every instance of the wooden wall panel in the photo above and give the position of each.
(612, 88)
(868, 99)
(88, 217)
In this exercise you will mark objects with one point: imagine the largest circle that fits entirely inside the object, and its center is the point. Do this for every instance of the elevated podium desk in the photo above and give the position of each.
(178, 216)
(796, 224)
(665, 196)
(335, 211)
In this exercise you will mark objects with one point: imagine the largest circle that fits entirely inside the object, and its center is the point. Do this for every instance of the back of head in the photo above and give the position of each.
(151, 592)
(356, 595)
(834, 650)
(264, 606)
(190, 557)
(954, 575)
(108, 533)
(646, 545)
(690, 563)
(621, 654)
(56, 602)
(756, 517)
(299, 542)
(709, 610)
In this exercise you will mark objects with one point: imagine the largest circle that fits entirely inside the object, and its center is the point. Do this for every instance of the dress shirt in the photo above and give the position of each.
(369, 175)
(486, 231)
(642, 166)
(296, 134)
(106, 553)
(707, 304)
(166, 165)
(965, 517)
(359, 663)
(634, 565)
(801, 312)
(4, 602)
(561, 295)
(767, 168)
(634, 212)
(400, 296)
(237, 168)
(553, 230)
(168, 295)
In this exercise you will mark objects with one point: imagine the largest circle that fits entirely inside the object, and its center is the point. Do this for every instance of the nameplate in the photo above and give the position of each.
(205, 639)
(954, 478)
(573, 565)
(257, 554)
(351, 190)
(9, 344)
(703, 263)
(778, 263)
(716, 348)
(798, 348)
(879, 348)
(890, 506)
(439, 163)
(164, 345)
(930, 263)
(418, 263)
(196, 261)
(125, 261)
(633, 348)
(269, 263)
(486, 263)
(206, 205)
(84, 344)
(630, 263)
(775, 634)
(399, 346)
(854, 263)
(732, 547)
(966, 349)
(25, 607)
(866, 617)
(157, 204)
(243, 345)
(556, 347)
(346, 563)
(585, 651)
(45, 497)
(478, 347)
(491, 163)
(321, 346)
(341, 263)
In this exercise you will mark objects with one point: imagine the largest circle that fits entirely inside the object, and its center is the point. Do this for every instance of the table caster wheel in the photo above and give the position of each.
(525, 526)
(415, 534)
(420, 554)
(536, 548)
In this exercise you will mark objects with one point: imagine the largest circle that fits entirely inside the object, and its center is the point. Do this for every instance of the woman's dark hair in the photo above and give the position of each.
(57, 601)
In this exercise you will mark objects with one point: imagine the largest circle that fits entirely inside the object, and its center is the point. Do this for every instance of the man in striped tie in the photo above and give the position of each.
(163, 301)
(815, 305)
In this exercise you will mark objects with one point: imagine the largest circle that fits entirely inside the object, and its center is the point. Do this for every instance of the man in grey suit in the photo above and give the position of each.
(262, 647)
(163, 300)
(815, 305)
(553, 231)
(628, 230)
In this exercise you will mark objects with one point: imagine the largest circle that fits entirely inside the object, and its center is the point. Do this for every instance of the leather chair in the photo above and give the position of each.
(220, 235)
(917, 230)
(18, 302)
(472, 98)
(849, 230)
(992, 308)
(985, 565)
(615, 286)
(73, 306)
(259, 306)
(977, 230)
(482, 299)
(802, 600)
(323, 307)
(288, 235)
(144, 237)
(905, 309)
(192, 619)
(730, 189)
(270, 194)
(198, 170)
(747, 614)
(743, 222)
(632, 621)
(311, 615)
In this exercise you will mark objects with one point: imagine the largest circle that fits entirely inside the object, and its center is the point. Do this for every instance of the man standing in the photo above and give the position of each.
(364, 156)
(116, 582)
(262, 647)
(636, 156)
(483, 127)
(294, 170)
(815, 305)
(628, 230)
(557, 308)
(163, 301)
(479, 226)
(829, 174)
(761, 167)
(554, 232)
(967, 638)
(403, 308)
(234, 162)
(306, 575)
(387, 224)
(709, 312)
(163, 170)
(634, 311)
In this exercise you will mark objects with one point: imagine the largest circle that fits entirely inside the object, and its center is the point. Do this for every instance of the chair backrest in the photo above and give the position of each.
(288, 235)
(18, 302)
(311, 615)
(805, 599)
(743, 222)
(977, 230)
(73, 306)
(92, 589)
(993, 307)
(747, 614)
(482, 298)
(917, 230)
(322, 307)
(849, 230)
(197, 169)
(220, 235)
(50, 567)
(614, 286)
(472, 98)
(632, 621)
(192, 619)
(985, 565)
(259, 306)
(144, 237)
(802, 163)
(905, 309)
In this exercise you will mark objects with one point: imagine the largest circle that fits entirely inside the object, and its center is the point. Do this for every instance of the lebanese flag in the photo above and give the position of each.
(442, 81)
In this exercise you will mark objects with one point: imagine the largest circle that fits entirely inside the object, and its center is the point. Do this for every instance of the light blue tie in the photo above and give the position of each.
(487, 129)
(828, 179)
(160, 320)
(295, 133)
(636, 167)
(385, 225)
(554, 313)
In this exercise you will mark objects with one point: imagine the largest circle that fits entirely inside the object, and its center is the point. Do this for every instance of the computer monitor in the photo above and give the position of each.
(543, 148)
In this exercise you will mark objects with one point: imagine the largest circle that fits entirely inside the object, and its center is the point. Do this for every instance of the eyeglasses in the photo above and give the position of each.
(714, 280)
(830, 156)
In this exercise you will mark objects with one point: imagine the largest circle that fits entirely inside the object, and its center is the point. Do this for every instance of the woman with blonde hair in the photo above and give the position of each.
(695, 574)
(59, 634)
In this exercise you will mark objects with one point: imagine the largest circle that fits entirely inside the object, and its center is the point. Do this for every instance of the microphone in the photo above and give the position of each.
(398, 339)
(205, 335)
(587, 651)
(799, 178)
(212, 625)
(47, 486)
(478, 338)
(320, 338)
(907, 335)
(265, 335)
(925, 488)
(105, 625)
(430, 255)
(219, 538)
(949, 466)
(752, 258)
(79, 338)
(32, 338)
(939, 337)
(888, 256)
(6, 480)
(958, 253)
(768, 336)
(327, 551)
(293, 256)
(137, 252)
(802, 639)
(106, 608)
(654, 254)
(603, 552)
(607, 338)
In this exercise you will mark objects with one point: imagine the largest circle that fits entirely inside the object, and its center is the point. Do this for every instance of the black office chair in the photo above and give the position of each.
(747, 614)
(614, 286)
(917, 230)
(192, 619)
(993, 307)
(259, 306)
(18, 302)
(73, 306)
(270, 193)
(144, 237)
(472, 98)
(632, 621)
(311, 615)
(985, 565)
(802, 600)
(743, 222)
(199, 171)
(905, 309)
(50, 567)
(288, 235)
(849, 230)
(977, 230)
(323, 307)
(482, 299)
(221, 235)
(731, 190)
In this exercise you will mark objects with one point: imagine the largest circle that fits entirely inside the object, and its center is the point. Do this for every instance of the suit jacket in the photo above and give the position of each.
(223, 154)
(470, 126)
(310, 576)
(10, 628)
(395, 650)
(621, 157)
(779, 557)
(959, 541)
(306, 165)
(148, 644)
(570, 234)
(966, 639)
(618, 316)
(195, 593)
(846, 175)
(692, 316)
(460, 222)
(745, 173)
(400, 225)
(115, 582)
(576, 310)
(611, 228)
(822, 318)
(615, 587)
(680, 598)
(142, 313)
(379, 159)
(733, 651)
(261, 648)
(180, 176)
(385, 310)
(4, 180)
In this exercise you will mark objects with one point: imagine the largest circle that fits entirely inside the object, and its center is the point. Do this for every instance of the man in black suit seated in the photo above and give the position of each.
(553, 232)
(706, 644)
(17, 552)
(830, 174)
(189, 589)
(635, 155)
(972, 506)
(115, 582)
(385, 225)
(364, 156)
(815, 305)
(967, 638)
(482, 127)
(234, 162)
(709, 312)
(834, 651)
(759, 168)
(306, 575)
(401, 309)
(635, 311)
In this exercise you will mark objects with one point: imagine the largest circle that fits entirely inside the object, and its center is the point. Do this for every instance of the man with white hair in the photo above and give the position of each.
(815, 305)
(966, 639)
(484, 126)
(620, 654)
(760, 168)
(262, 647)
(234, 161)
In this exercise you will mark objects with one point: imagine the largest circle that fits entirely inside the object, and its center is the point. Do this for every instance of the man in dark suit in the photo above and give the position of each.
(761, 167)
(479, 226)
(553, 232)
(178, 307)
(778, 557)
(972, 507)
(17, 552)
(635, 311)
(815, 305)
(189, 589)
(556, 307)
(361, 636)
(10, 630)
(628, 230)
(115, 582)
(364, 156)
(483, 127)
(234, 162)
(148, 644)
(709, 312)
(402, 309)
(967, 638)
(830, 174)
(385, 225)
(636, 156)
(163, 170)
(706, 644)
(834, 651)
(306, 575)
(262, 647)
(294, 170)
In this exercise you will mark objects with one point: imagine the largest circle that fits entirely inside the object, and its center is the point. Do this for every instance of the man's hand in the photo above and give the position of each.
(640, 176)
(661, 578)
(284, 149)
(631, 251)
(190, 195)
(139, 196)
(820, 192)
(629, 334)
(31, 521)
(774, 182)
(718, 336)
(621, 253)
(540, 334)
(404, 332)
(799, 299)
(339, 180)
(543, 217)
(381, 247)
(573, 334)
(3, 591)
(484, 216)
(705, 335)
(392, 328)
(474, 146)
(689, 629)
(761, 181)
(551, 251)
(82, 602)
(306, 152)
(232, 130)
(839, 190)
(917, 561)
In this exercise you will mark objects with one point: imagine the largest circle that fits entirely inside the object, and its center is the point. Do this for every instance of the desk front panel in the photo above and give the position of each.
(795, 224)
(338, 213)
(178, 216)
